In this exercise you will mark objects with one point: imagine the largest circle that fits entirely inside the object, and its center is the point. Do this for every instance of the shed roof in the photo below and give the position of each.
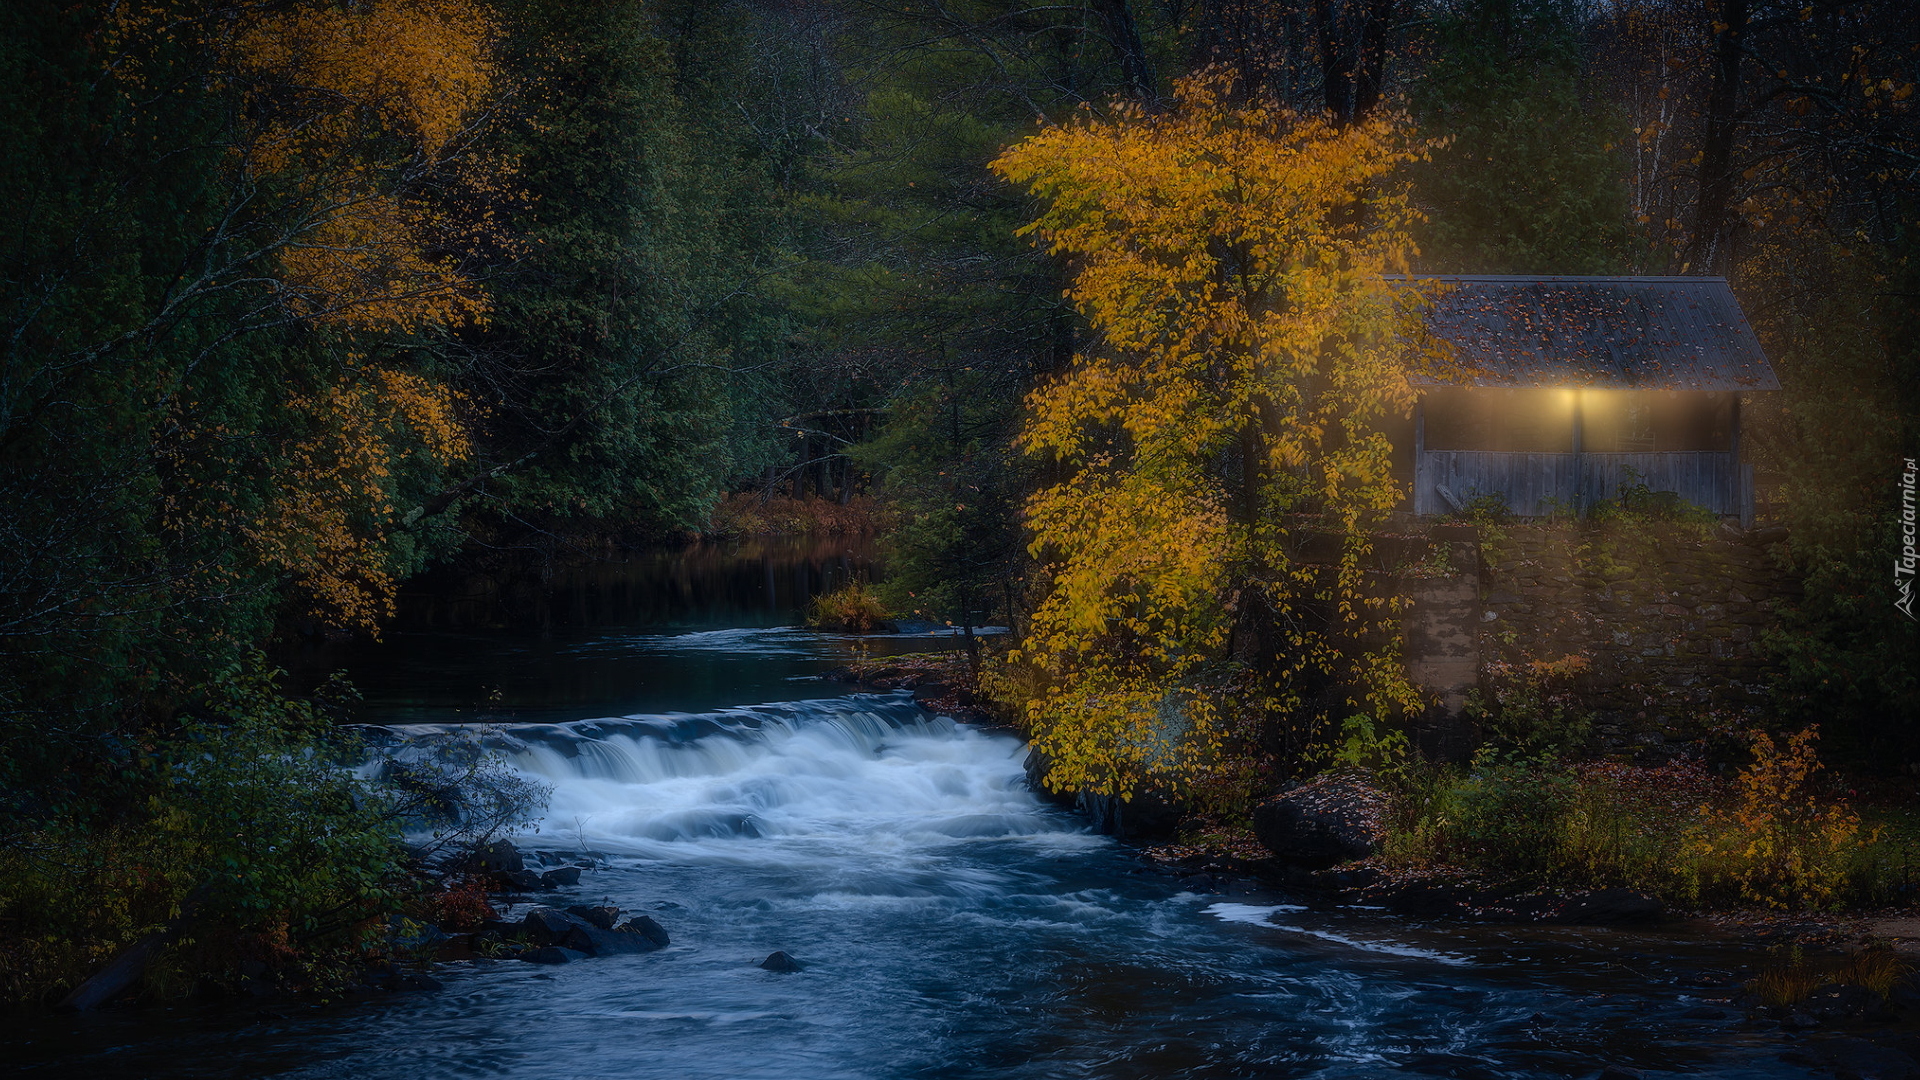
(1662, 333)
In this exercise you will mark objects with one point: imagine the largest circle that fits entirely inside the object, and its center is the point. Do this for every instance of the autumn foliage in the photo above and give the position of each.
(1229, 257)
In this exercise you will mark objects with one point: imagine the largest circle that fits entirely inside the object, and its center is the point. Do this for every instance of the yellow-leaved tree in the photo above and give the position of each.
(354, 183)
(1217, 445)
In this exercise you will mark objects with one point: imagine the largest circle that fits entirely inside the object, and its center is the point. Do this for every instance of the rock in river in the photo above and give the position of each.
(780, 962)
(1334, 819)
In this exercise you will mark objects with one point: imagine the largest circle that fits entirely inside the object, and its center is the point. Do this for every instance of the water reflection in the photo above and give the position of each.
(686, 628)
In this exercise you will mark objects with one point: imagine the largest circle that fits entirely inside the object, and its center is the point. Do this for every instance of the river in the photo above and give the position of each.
(950, 925)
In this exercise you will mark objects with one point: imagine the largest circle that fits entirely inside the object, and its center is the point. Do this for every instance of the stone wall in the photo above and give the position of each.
(1668, 622)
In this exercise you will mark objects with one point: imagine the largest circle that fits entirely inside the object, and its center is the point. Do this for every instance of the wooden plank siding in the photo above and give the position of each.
(1705, 478)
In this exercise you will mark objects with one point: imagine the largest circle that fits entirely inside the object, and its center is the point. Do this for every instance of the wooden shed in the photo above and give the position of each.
(1556, 392)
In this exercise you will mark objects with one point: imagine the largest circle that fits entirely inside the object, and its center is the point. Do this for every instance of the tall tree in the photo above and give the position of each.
(1226, 410)
(1529, 178)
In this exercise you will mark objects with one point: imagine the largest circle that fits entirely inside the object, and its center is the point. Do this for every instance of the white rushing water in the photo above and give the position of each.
(860, 777)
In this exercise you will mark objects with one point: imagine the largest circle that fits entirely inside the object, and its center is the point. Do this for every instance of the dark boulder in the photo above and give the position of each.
(1837, 1002)
(1037, 767)
(597, 942)
(602, 917)
(561, 877)
(552, 954)
(780, 962)
(545, 926)
(645, 927)
(496, 857)
(519, 881)
(1331, 820)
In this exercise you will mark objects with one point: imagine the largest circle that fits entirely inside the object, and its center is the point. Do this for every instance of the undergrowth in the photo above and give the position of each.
(1775, 835)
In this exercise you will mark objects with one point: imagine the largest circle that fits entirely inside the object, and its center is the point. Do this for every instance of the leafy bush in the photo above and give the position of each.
(1530, 708)
(1777, 842)
(1769, 837)
(249, 823)
(1640, 504)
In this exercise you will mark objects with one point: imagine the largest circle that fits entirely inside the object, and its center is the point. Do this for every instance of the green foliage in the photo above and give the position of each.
(1366, 744)
(1850, 659)
(1640, 505)
(1770, 837)
(253, 818)
(1529, 182)
(623, 368)
(1532, 709)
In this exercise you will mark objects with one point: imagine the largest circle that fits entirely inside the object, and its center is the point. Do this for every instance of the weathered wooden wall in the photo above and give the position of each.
(1711, 479)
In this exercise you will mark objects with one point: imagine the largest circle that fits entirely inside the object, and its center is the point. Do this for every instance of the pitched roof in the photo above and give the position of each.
(1662, 333)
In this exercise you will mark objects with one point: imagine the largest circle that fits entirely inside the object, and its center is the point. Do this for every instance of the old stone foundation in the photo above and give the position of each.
(1666, 623)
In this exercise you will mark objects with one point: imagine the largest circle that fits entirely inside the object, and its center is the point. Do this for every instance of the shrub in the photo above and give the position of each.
(1530, 708)
(249, 820)
(852, 609)
(1768, 838)
(1777, 842)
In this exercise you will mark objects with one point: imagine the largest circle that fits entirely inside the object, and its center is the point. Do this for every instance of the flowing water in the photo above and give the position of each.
(949, 924)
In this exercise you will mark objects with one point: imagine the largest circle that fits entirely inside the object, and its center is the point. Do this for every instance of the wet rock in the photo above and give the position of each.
(1798, 1020)
(597, 942)
(496, 857)
(603, 916)
(563, 877)
(1036, 767)
(1859, 1059)
(520, 881)
(780, 961)
(1835, 1002)
(1331, 820)
(545, 926)
(1149, 815)
(552, 954)
(645, 927)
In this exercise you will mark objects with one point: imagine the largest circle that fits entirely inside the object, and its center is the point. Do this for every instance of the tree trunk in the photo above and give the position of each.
(1709, 251)
(1127, 49)
(1353, 59)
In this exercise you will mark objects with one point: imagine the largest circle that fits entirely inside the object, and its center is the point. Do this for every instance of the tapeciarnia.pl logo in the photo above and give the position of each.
(1903, 567)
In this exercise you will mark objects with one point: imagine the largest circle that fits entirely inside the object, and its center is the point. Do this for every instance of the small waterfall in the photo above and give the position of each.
(862, 774)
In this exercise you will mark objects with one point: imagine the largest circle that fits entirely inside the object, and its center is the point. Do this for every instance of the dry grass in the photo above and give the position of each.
(850, 609)
(1877, 968)
(1786, 982)
(748, 514)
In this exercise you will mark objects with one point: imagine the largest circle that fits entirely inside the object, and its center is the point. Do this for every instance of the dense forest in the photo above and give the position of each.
(302, 297)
